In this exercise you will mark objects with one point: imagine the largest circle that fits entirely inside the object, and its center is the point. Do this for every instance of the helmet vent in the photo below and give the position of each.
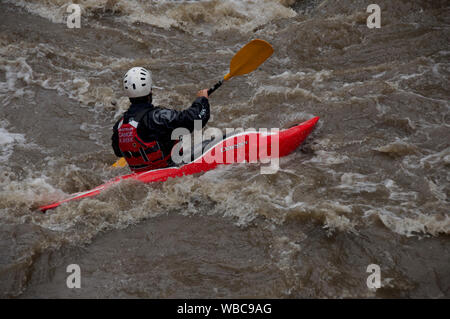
(143, 73)
(143, 84)
(134, 86)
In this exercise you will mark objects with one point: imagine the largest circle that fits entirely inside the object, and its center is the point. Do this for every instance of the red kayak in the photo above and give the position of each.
(249, 146)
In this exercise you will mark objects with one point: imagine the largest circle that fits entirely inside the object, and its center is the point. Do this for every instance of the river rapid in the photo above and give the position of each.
(369, 186)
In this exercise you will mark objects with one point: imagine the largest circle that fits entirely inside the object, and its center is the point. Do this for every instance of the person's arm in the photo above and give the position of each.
(115, 142)
(169, 120)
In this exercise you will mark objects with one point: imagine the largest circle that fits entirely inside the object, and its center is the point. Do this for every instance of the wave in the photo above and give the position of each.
(191, 16)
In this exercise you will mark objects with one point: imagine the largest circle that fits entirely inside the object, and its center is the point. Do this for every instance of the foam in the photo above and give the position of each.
(398, 148)
(412, 226)
(7, 142)
(191, 16)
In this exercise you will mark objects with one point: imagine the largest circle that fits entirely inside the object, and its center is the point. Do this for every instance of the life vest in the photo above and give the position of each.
(140, 156)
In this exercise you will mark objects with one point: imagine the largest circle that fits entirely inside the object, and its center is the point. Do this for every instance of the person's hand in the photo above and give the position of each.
(203, 92)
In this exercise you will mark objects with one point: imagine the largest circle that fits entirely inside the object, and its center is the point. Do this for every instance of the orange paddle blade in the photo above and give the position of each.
(120, 162)
(252, 55)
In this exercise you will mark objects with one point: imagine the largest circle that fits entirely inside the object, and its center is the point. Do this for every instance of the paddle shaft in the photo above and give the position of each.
(215, 87)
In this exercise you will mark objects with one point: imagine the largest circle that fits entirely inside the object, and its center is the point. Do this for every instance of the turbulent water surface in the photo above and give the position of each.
(369, 186)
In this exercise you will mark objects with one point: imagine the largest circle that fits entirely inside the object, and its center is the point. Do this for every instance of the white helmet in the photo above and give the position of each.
(137, 82)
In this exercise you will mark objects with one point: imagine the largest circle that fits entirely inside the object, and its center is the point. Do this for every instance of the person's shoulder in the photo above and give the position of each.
(116, 125)
(162, 115)
(162, 110)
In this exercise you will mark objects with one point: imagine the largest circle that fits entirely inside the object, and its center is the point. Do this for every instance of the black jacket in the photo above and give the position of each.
(158, 123)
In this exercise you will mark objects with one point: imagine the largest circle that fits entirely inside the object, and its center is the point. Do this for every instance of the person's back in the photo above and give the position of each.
(143, 134)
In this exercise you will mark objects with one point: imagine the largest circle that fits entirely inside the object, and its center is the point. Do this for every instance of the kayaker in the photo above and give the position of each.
(143, 134)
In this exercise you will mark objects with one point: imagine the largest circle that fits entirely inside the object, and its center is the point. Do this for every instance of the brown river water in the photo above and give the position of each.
(369, 186)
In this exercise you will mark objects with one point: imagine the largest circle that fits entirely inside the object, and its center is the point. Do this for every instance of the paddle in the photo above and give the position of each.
(252, 55)
(121, 162)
